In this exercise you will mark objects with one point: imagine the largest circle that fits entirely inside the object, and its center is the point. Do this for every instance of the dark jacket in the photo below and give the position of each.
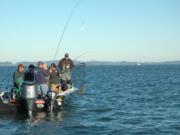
(42, 76)
(64, 63)
(30, 76)
(54, 77)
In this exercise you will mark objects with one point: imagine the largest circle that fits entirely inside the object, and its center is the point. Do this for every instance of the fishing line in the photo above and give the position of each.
(65, 28)
(76, 58)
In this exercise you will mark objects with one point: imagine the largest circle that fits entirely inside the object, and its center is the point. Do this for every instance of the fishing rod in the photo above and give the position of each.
(74, 67)
(65, 28)
(76, 58)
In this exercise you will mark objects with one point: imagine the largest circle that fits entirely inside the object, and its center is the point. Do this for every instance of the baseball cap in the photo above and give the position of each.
(66, 54)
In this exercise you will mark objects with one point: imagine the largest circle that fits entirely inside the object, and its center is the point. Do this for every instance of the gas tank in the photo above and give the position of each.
(29, 90)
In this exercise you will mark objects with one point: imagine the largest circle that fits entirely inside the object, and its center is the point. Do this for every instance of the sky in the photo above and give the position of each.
(102, 30)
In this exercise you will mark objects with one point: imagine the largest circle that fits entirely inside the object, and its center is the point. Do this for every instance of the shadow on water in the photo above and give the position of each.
(35, 117)
(13, 123)
(40, 122)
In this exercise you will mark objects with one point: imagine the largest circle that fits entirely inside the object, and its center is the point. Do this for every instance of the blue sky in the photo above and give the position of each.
(112, 30)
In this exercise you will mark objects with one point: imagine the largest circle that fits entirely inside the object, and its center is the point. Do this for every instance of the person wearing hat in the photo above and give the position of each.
(30, 74)
(18, 77)
(66, 64)
(42, 79)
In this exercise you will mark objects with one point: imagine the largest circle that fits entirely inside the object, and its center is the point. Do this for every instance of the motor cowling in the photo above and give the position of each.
(29, 90)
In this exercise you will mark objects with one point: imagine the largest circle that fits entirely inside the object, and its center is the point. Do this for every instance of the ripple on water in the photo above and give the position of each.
(118, 100)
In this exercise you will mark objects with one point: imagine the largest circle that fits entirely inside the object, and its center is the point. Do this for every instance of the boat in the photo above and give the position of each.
(138, 64)
(29, 101)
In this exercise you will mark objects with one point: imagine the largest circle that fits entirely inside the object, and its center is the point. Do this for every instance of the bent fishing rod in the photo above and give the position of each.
(65, 28)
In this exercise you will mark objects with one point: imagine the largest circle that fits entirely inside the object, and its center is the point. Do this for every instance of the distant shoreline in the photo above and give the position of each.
(94, 63)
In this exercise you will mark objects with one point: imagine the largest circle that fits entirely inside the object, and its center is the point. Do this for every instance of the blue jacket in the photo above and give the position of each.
(42, 76)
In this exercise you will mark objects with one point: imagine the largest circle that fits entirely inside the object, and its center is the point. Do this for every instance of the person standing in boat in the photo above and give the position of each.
(42, 79)
(65, 65)
(18, 77)
(54, 80)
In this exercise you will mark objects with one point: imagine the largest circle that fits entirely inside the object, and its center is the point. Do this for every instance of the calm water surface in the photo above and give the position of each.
(119, 100)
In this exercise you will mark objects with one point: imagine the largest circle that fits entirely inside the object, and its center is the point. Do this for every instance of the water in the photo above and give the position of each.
(127, 100)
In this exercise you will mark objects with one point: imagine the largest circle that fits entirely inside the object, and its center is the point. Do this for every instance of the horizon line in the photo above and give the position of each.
(120, 61)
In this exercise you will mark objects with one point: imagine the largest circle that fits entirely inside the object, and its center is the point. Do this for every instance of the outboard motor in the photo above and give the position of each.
(52, 97)
(28, 96)
(29, 90)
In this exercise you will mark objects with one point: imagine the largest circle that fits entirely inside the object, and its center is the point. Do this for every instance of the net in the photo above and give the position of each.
(78, 76)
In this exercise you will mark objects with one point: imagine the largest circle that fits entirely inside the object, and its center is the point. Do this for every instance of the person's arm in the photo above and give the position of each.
(15, 77)
(60, 65)
(35, 75)
(14, 80)
(46, 73)
(72, 63)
